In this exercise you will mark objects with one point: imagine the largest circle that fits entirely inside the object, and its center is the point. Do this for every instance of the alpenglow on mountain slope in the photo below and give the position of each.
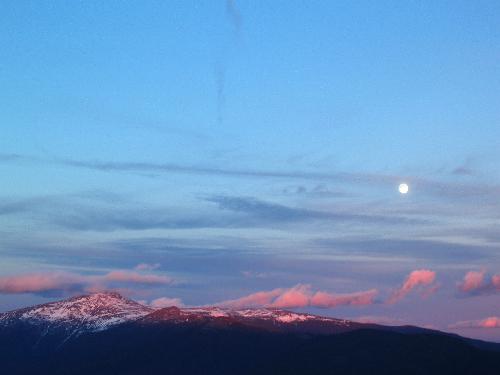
(105, 333)
(101, 311)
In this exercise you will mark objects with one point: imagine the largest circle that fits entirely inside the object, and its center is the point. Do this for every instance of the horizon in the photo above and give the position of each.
(153, 308)
(332, 158)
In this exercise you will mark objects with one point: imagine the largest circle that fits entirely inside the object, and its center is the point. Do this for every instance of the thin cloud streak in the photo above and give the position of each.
(488, 323)
(162, 302)
(230, 212)
(68, 282)
(415, 248)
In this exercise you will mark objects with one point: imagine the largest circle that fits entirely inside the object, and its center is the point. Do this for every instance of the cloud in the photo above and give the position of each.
(15, 206)
(71, 282)
(274, 212)
(301, 295)
(147, 266)
(40, 282)
(134, 277)
(475, 283)
(491, 322)
(467, 168)
(327, 300)
(4, 157)
(417, 278)
(73, 212)
(395, 247)
(495, 281)
(161, 302)
(473, 280)
(318, 191)
(385, 320)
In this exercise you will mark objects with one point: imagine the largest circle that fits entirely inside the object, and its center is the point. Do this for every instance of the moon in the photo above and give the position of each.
(403, 188)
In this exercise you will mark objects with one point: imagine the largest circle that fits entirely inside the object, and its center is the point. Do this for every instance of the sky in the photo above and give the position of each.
(249, 153)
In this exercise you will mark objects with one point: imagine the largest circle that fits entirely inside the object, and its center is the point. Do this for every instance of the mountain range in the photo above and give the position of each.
(105, 333)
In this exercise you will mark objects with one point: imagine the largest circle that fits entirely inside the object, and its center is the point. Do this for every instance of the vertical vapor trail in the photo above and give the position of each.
(234, 15)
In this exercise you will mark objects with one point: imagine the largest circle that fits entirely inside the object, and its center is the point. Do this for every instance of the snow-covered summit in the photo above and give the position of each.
(92, 312)
(264, 319)
(278, 315)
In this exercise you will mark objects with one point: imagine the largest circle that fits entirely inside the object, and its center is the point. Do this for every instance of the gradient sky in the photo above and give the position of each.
(205, 151)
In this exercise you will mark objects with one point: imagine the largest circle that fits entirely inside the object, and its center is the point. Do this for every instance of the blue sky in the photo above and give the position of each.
(240, 146)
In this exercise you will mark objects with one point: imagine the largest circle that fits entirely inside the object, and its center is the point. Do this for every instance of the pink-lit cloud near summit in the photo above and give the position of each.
(301, 296)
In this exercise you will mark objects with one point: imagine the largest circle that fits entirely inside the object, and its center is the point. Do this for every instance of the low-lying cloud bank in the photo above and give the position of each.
(301, 295)
(491, 322)
(161, 302)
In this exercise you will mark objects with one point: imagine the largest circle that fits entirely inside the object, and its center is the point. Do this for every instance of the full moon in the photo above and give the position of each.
(404, 188)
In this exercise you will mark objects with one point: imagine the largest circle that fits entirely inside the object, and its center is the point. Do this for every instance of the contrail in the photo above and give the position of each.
(234, 15)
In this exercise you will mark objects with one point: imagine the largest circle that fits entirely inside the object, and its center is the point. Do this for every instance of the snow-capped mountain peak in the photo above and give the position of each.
(92, 312)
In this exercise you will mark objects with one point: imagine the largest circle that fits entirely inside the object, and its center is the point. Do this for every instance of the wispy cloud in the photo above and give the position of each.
(161, 302)
(377, 319)
(147, 266)
(13, 157)
(274, 212)
(491, 322)
(66, 282)
(228, 212)
(418, 278)
(415, 248)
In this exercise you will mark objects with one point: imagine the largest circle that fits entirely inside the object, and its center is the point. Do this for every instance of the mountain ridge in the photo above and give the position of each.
(105, 333)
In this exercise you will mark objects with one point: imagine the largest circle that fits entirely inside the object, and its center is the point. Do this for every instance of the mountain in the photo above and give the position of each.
(95, 312)
(105, 333)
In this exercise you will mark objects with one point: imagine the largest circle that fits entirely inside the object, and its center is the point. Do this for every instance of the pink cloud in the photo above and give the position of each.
(258, 299)
(165, 302)
(417, 278)
(297, 296)
(39, 282)
(301, 295)
(65, 281)
(495, 281)
(473, 280)
(328, 300)
(135, 277)
(491, 322)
